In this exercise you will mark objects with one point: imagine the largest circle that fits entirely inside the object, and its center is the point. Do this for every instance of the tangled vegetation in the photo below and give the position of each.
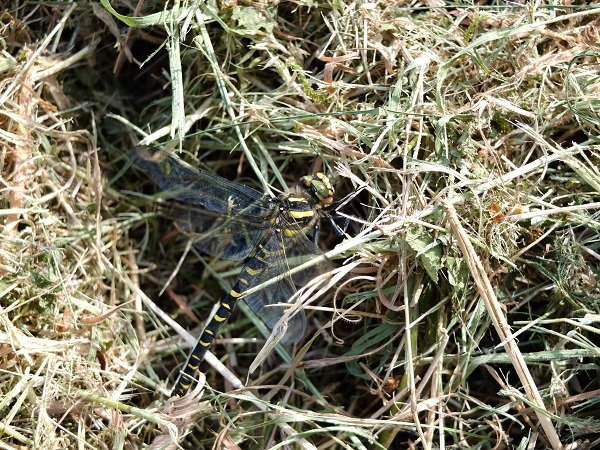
(463, 307)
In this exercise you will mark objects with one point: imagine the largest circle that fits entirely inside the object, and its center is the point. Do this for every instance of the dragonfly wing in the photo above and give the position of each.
(280, 259)
(196, 186)
(263, 304)
(231, 237)
(226, 219)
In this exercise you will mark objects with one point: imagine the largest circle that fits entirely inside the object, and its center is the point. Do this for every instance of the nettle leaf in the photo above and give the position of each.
(250, 21)
(458, 273)
(429, 251)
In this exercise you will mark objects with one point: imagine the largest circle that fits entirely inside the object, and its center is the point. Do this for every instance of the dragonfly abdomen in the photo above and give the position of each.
(186, 376)
(253, 267)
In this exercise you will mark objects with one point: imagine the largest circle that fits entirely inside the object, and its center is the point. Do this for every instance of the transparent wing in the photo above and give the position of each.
(225, 219)
(285, 254)
(233, 237)
(196, 186)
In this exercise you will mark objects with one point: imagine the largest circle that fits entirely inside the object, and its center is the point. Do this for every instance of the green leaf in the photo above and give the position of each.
(366, 343)
(162, 17)
(250, 21)
(428, 250)
(458, 274)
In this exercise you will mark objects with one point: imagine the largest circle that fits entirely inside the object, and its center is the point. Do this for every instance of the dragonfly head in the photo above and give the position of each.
(319, 186)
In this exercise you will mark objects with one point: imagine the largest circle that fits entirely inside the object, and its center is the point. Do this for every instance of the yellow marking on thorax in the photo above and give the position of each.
(290, 232)
(165, 167)
(301, 214)
(297, 199)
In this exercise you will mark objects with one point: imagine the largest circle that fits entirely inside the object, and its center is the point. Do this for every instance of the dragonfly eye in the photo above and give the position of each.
(319, 186)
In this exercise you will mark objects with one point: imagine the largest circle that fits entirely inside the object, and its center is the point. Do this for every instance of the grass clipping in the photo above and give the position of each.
(463, 309)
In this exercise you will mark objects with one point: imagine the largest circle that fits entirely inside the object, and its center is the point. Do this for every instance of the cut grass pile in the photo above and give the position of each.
(463, 306)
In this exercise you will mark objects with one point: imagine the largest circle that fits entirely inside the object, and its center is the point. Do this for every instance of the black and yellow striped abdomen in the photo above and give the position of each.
(253, 268)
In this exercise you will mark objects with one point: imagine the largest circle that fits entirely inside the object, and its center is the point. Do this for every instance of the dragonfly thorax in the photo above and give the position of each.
(301, 208)
(298, 213)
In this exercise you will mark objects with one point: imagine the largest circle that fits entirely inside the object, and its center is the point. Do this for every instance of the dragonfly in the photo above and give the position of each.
(236, 222)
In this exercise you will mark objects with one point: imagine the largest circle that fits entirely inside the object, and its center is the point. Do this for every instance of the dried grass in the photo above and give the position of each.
(464, 309)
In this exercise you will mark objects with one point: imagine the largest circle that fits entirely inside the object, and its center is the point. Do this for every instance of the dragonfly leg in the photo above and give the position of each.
(339, 232)
(315, 233)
